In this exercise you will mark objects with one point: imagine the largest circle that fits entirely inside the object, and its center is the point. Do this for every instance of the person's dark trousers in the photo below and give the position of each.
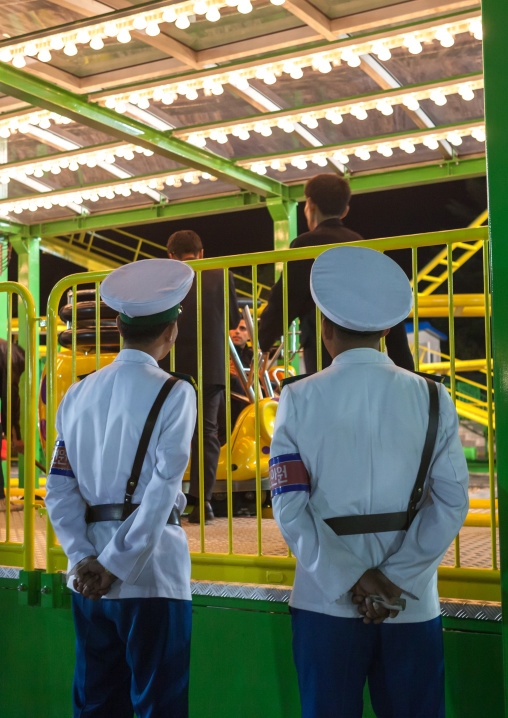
(396, 344)
(132, 654)
(402, 662)
(212, 394)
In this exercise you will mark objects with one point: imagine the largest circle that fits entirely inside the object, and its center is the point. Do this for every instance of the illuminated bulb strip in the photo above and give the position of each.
(122, 189)
(365, 150)
(335, 115)
(21, 123)
(94, 35)
(319, 61)
(72, 162)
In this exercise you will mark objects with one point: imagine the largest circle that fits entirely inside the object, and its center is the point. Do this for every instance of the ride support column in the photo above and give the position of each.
(495, 22)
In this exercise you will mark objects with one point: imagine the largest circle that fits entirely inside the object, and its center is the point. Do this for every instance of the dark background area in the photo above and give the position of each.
(411, 210)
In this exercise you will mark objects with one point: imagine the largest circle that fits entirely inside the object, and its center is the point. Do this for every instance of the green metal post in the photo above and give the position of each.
(495, 22)
(28, 275)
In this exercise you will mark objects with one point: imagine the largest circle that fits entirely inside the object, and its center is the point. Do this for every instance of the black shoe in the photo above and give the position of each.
(195, 515)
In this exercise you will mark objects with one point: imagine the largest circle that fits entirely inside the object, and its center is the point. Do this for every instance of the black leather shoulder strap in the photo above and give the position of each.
(185, 377)
(146, 435)
(292, 379)
(428, 450)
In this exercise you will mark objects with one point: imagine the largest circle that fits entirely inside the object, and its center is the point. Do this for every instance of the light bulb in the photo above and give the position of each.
(139, 22)
(73, 166)
(407, 146)
(213, 14)
(454, 139)
(169, 15)
(319, 160)
(182, 22)
(476, 29)
(55, 169)
(144, 103)
(18, 61)
(110, 103)
(124, 36)
(296, 73)
(243, 135)
(152, 29)
(134, 98)
(44, 55)
(466, 93)
(45, 123)
(30, 49)
(277, 2)
(231, 3)
(5, 133)
(275, 165)
(38, 172)
(168, 98)
(311, 122)
(197, 140)
(411, 103)
(362, 153)
(70, 49)
(266, 131)
(438, 97)
(111, 29)
(217, 88)
(5, 55)
(324, 66)
(445, 37)
(413, 44)
(244, 7)
(96, 43)
(91, 162)
(200, 7)
(121, 107)
(384, 107)
(381, 51)
(128, 155)
(359, 112)
(431, 143)
(83, 36)
(57, 43)
(385, 150)
(269, 78)
(221, 138)
(479, 134)
(286, 125)
(192, 94)
(334, 116)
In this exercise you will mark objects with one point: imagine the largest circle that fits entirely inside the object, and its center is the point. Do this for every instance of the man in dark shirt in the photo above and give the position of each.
(327, 204)
(186, 245)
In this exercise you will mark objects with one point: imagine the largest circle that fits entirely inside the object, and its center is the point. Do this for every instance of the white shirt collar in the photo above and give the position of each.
(134, 355)
(362, 356)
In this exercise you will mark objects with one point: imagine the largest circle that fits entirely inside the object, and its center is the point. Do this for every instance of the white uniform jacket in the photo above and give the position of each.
(349, 440)
(99, 424)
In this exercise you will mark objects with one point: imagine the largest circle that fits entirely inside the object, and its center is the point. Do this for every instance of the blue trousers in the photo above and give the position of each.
(132, 654)
(403, 664)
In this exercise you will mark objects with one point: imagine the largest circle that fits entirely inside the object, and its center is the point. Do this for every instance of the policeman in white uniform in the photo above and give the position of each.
(114, 499)
(369, 486)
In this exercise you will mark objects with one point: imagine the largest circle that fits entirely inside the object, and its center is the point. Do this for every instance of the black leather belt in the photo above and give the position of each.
(116, 512)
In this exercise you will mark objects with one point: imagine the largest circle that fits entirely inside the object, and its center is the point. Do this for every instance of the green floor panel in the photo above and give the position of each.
(241, 663)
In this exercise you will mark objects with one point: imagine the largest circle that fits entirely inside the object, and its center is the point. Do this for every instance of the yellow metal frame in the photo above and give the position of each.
(455, 582)
(15, 553)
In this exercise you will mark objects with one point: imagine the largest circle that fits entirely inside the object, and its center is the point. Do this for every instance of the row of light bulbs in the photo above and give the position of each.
(363, 152)
(72, 162)
(22, 123)
(335, 115)
(94, 35)
(270, 71)
(124, 189)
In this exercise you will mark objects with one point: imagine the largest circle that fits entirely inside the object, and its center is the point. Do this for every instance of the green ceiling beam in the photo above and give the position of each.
(410, 177)
(44, 94)
(7, 228)
(147, 215)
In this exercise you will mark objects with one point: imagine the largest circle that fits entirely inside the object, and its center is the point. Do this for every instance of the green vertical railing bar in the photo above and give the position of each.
(451, 340)
(97, 327)
(8, 428)
(495, 22)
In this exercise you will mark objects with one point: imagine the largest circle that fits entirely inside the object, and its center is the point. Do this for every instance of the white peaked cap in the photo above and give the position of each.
(146, 291)
(360, 289)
